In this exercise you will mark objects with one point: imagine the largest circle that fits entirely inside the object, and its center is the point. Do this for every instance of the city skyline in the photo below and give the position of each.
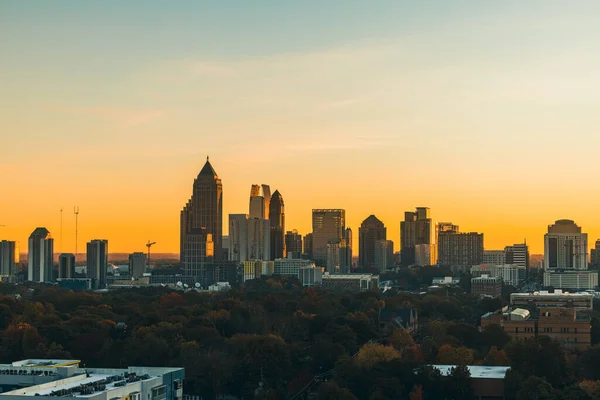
(481, 99)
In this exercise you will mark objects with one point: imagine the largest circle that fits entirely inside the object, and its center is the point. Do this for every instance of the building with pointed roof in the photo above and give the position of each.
(370, 232)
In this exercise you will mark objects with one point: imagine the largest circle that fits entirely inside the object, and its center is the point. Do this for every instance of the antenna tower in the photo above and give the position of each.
(61, 220)
(76, 212)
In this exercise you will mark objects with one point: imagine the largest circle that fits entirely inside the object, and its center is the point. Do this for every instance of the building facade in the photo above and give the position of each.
(329, 225)
(308, 245)
(350, 282)
(557, 299)
(595, 256)
(259, 239)
(66, 266)
(425, 255)
(97, 262)
(460, 250)
(337, 256)
(8, 258)
(565, 247)
(486, 285)
(310, 275)
(137, 265)
(511, 274)
(290, 266)
(384, 255)
(238, 237)
(293, 244)
(494, 257)
(571, 279)
(277, 222)
(370, 232)
(199, 254)
(40, 259)
(204, 210)
(417, 228)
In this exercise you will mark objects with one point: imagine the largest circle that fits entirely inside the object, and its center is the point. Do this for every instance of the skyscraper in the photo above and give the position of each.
(204, 210)
(518, 254)
(337, 254)
(277, 222)
(137, 265)
(417, 228)
(259, 239)
(328, 225)
(462, 250)
(66, 266)
(40, 256)
(260, 202)
(348, 236)
(238, 237)
(384, 255)
(200, 252)
(370, 232)
(308, 245)
(595, 256)
(8, 258)
(293, 244)
(97, 262)
(565, 247)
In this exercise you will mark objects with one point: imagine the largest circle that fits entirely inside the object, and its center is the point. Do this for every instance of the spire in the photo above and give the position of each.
(207, 170)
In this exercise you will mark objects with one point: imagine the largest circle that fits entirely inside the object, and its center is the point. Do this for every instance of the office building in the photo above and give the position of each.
(204, 210)
(277, 222)
(417, 228)
(384, 255)
(259, 239)
(293, 244)
(565, 247)
(66, 266)
(571, 279)
(254, 269)
(238, 237)
(518, 254)
(310, 275)
(486, 285)
(350, 282)
(290, 266)
(459, 250)
(56, 379)
(511, 274)
(348, 237)
(40, 259)
(225, 244)
(308, 245)
(137, 265)
(557, 299)
(595, 256)
(97, 262)
(425, 254)
(329, 225)
(199, 254)
(370, 232)
(8, 258)
(260, 199)
(494, 257)
(337, 256)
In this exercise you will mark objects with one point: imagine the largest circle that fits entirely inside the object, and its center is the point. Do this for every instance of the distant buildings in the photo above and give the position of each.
(260, 202)
(337, 256)
(458, 250)
(277, 222)
(259, 239)
(310, 276)
(238, 237)
(565, 247)
(370, 232)
(293, 244)
(511, 274)
(308, 245)
(486, 285)
(254, 269)
(571, 279)
(137, 265)
(66, 266)
(8, 258)
(384, 255)
(595, 256)
(97, 262)
(40, 256)
(494, 257)
(204, 210)
(199, 255)
(425, 254)
(556, 299)
(329, 226)
(290, 266)
(351, 282)
(417, 228)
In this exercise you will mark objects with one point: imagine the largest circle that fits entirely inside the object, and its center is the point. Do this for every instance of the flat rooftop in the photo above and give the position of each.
(477, 371)
(35, 363)
(349, 276)
(557, 293)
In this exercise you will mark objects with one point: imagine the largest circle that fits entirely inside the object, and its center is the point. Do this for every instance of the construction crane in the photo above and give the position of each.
(148, 245)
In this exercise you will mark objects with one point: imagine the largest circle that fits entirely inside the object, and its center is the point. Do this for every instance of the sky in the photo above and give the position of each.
(486, 112)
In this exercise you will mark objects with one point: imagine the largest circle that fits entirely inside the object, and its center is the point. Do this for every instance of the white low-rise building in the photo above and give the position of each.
(571, 279)
(290, 266)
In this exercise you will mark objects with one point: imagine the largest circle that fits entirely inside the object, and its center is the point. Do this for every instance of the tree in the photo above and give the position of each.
(459, 383)
(591, 388)
(331, 391)
(373, 353)
(535, 388)
(400, 339)
(495, 357)
(449, 355)
(588, 364)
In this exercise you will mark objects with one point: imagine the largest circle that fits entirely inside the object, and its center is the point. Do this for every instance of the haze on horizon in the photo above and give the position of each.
(486, 112)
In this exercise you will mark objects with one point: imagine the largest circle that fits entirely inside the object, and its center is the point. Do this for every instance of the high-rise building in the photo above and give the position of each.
(425, 255)
(518, 254)
(293, 244)
(40, 256)
(225, 243)
(238, 237)
(565, 247)
(494, 257)
(308, 245)
(259, 239)
(260, 202)
(462, 250)
(8, 258)
(97, 262)
(277, 222)
(137, 265)
(595, 256)
(370, 232)
(200, 253)
(204, 210)
(384, 255)
(66, 266)
(348, 237)
(417, 228)
(329, 225)
(337, 254)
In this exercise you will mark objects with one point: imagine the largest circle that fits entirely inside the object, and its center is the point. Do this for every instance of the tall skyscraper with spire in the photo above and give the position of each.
(277, 219)
(204, 211)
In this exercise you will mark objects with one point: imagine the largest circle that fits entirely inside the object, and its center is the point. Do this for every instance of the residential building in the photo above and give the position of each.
(565, 247)
(329, 225)
(260, 202)
(200, 253)
(310, 275)
(293, 244)
(97, 262)
(66, 266)
(277, 222)
(8, 258)
(259, 239)
(595, 256)
(137, 265)
(425, 254)
(290, 266)
(238, 237)
(571, 279)
(204, 210)
(459, 250)
(58, 379)
(254, 269)
(511, 274)
(556, 299)
(308, 245)
(517, 254)
(486, 285)
(40, 259)
(417, 228)
(494, 257)
(384, 255)
(351, 282)
(370, 232)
